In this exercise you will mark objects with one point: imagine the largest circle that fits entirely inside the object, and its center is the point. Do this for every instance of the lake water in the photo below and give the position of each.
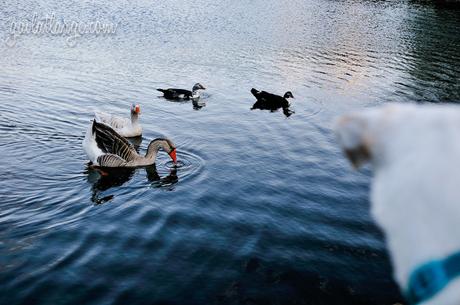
(265, 209)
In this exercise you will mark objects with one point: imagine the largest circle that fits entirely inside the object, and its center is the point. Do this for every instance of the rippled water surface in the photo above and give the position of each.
(263, 208)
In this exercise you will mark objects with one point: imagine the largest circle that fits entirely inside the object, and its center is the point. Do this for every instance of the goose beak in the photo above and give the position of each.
(173, 156)
(137, 109)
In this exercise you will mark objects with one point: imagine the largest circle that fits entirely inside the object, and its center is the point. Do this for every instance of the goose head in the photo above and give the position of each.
(164, 144)
(198, 86)
(288, 94)
(135, 109)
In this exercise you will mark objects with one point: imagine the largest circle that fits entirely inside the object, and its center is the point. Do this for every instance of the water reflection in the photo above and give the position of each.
(197, 103)
(136, 142)
(432, 55)
(115, 177)
(262, 105)
(154, 177)
(336, 55)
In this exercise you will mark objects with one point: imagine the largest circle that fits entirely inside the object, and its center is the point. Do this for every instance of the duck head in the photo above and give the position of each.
(198, 86)
(288, 94)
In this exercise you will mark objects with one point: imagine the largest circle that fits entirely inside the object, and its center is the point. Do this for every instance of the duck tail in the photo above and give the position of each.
(255, 92)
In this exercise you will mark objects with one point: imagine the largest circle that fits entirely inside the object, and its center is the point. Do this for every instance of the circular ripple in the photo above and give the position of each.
(188, 164)
(314, 107)
(172, 165)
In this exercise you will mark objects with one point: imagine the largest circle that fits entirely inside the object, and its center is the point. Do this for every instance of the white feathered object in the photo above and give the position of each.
(123, 126)
(106, 148)
(415, 194)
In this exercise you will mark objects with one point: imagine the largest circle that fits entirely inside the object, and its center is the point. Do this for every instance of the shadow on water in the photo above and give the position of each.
(197, 103)
(262, 105)
(115, 177)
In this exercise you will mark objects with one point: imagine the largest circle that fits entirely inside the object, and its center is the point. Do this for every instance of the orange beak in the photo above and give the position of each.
(137, 109)
(173, 156)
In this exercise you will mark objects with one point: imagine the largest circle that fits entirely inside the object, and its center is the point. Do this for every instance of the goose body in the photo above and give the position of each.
(123, 126)
(182, 94)
(106, 148)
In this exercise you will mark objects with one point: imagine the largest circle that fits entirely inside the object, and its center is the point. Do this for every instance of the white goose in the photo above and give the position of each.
(106, 148)
(123, 126)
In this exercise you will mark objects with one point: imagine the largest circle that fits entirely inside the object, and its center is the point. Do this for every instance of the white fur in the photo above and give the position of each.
(415, 196)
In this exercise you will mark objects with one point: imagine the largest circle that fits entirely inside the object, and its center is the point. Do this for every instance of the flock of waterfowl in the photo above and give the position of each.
(106, 143)
(409, 146)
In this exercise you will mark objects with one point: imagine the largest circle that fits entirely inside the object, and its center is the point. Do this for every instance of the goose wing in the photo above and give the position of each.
(113, 121)
(110, 142)
(102, 116)
(111, 160)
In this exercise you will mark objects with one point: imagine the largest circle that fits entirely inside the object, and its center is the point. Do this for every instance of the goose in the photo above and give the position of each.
(272, 101)
(175, 94)
(123, 126)
(106, 148)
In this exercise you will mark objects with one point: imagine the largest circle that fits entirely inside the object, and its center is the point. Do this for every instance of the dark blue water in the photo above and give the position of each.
(264, 209)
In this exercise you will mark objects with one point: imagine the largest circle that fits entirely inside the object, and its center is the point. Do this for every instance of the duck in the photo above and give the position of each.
(108, 149)
(125, 127)
(272, 102)
(182, 94)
